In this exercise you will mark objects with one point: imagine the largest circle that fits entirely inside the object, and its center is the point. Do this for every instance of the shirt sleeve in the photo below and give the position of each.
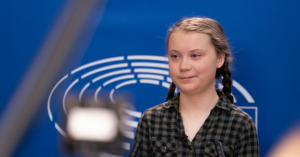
(247, 145)
(142, 133)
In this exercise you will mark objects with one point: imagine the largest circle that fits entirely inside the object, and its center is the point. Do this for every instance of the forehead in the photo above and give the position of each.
(186, 41)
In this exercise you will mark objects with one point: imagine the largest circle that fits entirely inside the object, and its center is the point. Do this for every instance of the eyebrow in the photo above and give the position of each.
(174, 50)
(190, 51)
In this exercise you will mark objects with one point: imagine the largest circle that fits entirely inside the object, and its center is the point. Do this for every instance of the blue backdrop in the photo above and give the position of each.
(263, 35)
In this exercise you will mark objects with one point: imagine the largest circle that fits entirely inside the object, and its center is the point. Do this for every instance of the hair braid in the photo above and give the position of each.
(171, 91)
(225, 72)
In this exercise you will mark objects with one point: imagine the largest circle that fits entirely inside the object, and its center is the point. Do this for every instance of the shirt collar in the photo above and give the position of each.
(223, 102)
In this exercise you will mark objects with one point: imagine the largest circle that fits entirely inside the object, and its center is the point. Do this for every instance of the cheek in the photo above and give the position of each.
(172, 70)
(207, 68)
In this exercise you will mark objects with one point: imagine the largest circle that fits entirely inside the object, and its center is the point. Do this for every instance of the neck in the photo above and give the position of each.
(198, 103)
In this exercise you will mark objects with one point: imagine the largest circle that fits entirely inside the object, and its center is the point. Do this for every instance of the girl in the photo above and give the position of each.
(190, 123)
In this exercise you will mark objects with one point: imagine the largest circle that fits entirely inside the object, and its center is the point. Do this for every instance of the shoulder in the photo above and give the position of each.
(241, 118)
(161, 108)
(155, 110)
(240, 114)
(234, 116)
(150, 117)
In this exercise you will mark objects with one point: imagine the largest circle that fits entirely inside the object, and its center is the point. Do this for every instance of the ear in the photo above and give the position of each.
(221, 59)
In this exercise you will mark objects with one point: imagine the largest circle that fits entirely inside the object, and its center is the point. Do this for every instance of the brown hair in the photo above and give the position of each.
(218, 39)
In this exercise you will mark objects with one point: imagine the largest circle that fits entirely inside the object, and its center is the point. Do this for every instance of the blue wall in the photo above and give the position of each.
(264, 37)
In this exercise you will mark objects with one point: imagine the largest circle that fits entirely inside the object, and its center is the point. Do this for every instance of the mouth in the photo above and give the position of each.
(187, 78)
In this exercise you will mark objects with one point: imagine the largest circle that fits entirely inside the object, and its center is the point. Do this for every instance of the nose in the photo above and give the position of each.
(185, 65)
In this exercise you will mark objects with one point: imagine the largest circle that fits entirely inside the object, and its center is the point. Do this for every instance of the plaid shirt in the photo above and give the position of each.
(162, 133)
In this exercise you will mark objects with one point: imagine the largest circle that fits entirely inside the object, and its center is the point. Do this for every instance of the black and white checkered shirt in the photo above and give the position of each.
(162, 133)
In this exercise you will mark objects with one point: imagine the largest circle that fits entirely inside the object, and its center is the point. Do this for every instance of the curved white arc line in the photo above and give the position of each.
(146, 57)
(130, 123)
(104, 68)
(241, 89)
(149, 81)
(126, 83)
(169, 79)
(234, 99)
(220, 86)
(65, 95)
(126, 145)
(158, 77)
(49, 98)
(145, 70)
(111, 96)
(117, 79)
(83, 89)
(176, 90)
(96, 94)
(133, 113)
(165, 84)
(97, 62)
(60, 130)
(147, 64)
(111, 74)
(128, 134)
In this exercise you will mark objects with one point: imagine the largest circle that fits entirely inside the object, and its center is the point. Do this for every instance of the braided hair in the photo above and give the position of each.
(215, 31)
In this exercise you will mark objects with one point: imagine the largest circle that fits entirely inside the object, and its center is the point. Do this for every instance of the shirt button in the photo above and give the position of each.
(191, 147)
(164, 147)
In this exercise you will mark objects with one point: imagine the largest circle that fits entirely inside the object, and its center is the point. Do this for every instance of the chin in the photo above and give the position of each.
(187, 89)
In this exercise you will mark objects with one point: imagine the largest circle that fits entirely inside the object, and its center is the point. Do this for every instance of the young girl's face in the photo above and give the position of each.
(193, 61)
